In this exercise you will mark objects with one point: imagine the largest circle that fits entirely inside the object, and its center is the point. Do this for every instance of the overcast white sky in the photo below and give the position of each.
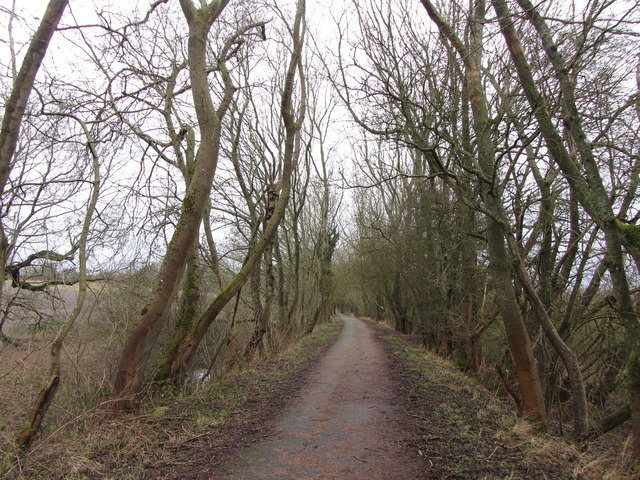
(29, 14)
(62, 55)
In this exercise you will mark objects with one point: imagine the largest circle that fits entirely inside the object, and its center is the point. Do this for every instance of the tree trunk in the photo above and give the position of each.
(23, 84)
(589, 188)
(131, 368)
(517, 335)
(313, 322)
(187, 349)
(569, 359)
(47, 394)
(293, 316)
(468, 304)
(189, 306)
(262, 322)
(611, 421)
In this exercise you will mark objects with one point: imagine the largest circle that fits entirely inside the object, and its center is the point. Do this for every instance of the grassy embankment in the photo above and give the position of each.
(173, 428)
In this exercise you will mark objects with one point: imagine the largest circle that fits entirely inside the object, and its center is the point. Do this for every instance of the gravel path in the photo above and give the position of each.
(347, 423)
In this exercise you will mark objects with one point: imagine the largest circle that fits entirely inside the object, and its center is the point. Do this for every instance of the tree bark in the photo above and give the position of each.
(611, 421)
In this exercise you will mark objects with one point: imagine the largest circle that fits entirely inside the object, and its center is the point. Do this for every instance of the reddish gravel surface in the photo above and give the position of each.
(346, 424)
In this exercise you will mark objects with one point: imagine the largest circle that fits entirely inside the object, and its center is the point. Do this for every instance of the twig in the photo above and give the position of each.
(195, 438)
(268, 435)
(507, 385)
(494, 451)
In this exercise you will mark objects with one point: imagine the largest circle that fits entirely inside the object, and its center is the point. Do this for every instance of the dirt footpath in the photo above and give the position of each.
(347, 422)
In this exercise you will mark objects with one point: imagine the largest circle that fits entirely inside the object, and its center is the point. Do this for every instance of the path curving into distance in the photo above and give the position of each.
(347, 423)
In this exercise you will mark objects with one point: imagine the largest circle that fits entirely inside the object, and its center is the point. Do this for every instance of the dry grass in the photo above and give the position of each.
(87, 360)
(81, 441)
(600, 460)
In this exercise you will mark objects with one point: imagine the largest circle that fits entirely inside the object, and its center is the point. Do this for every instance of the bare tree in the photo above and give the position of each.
(129, 378)
(47, 394)
(185, 350)
(23, 84)
(16, 105)
(582, 172)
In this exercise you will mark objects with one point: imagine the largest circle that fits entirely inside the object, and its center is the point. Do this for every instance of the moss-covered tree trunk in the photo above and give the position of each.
(190, 301)
(185, 351)
(135, 354)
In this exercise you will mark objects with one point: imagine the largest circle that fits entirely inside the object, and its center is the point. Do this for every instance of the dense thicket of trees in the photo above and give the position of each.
(492, 210)
(485, 153)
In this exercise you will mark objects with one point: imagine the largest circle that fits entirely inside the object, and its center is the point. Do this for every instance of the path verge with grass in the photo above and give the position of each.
(182, 435)
(379, 407)
(461, 431)
(370, 404)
